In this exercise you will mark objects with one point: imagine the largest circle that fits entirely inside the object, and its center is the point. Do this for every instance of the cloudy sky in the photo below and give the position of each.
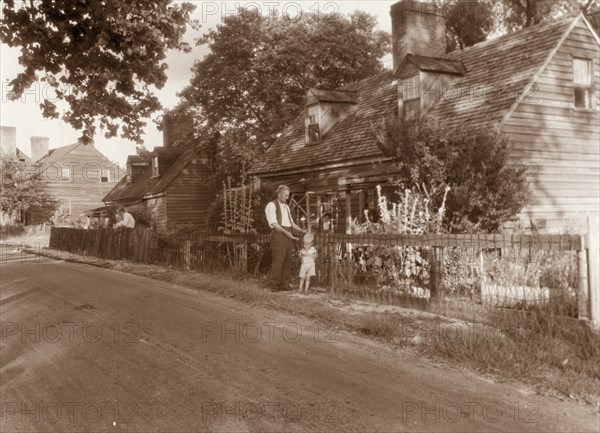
(26, 116)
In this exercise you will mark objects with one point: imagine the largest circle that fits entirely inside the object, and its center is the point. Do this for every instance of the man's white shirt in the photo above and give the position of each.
(286, 215)
(128, 220)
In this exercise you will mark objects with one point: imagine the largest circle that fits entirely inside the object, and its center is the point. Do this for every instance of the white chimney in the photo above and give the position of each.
(39, 148)
(8, 141)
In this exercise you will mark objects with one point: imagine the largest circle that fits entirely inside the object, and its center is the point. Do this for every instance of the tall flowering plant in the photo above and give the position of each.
(400, 268)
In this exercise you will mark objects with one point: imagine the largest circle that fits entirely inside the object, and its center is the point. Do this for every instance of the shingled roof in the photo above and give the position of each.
(503, 66)
(146, 185)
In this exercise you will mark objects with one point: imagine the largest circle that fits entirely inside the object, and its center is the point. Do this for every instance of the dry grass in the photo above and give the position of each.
(555, 359)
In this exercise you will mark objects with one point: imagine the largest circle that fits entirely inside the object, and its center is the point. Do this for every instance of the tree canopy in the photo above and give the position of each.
(100, 57)
(471, 21)
(259, 70)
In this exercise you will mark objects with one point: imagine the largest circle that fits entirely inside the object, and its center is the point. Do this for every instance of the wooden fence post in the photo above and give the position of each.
(435, 272)
(187, 250)
(583, 307)
(593, 256)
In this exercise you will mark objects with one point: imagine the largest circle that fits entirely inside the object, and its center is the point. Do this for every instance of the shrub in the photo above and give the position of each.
(11, 230)
(485, 190)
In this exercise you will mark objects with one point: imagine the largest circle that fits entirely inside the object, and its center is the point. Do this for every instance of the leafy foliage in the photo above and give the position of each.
(22, 192)
(255, 79)
(100, 57)
(485, 190)
(468, 22)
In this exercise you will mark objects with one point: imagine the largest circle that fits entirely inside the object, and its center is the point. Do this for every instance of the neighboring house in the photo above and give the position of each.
(77, 175)
(540, 85)
(173, 183)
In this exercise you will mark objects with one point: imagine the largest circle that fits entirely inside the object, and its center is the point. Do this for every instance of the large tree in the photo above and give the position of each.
(471, 21)
(259, 69)
(100, 57)
(517, 14)
(467, 21)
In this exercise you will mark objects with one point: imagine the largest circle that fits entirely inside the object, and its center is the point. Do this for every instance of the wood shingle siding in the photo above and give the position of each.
(562, 142)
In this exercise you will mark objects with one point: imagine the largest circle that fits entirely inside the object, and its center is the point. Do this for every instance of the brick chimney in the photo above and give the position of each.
(8, 141)
(177, 130)
(417, 28)
(39, 148)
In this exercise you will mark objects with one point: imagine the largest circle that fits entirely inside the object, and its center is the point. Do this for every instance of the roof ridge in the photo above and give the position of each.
(524, 30)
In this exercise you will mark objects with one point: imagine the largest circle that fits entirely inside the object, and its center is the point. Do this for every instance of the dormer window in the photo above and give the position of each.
(411, 98)
(154, 166)
(582, 83)
(313, 127)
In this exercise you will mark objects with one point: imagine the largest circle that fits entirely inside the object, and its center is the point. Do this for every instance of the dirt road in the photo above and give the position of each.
(86, 349)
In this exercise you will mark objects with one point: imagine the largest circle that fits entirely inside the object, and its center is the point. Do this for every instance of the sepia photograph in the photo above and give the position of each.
(299, 216)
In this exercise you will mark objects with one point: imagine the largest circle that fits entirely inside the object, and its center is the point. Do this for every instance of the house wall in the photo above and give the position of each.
(189, 196)
(559, 144)
(158, 208)
(85, 190)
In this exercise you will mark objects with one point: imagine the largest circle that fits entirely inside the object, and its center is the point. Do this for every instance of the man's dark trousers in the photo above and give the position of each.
(282, 249)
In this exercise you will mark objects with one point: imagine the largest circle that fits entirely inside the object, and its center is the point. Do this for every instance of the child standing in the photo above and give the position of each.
(308, 255)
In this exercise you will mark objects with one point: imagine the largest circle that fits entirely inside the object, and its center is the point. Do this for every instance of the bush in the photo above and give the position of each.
(11, 230)
(485, 190)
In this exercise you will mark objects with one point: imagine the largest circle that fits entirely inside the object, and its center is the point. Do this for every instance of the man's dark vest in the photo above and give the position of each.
(278, 212)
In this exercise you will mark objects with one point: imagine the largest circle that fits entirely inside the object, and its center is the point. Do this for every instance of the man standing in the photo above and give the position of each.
(280, 220)
(126, 219)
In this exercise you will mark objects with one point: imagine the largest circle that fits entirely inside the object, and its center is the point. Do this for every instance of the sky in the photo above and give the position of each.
(25, 114)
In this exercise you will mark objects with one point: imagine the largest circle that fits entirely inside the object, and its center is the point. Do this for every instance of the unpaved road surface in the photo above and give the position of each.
(86, 349)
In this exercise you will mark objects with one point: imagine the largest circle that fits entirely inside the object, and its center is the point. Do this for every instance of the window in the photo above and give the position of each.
(65, 175)
(582, 83)
(155, 166)
(411, 98)
(313, 129)
(129, 176)
(105, 177)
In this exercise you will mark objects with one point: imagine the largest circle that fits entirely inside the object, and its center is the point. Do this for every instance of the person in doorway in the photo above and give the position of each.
(280, 220)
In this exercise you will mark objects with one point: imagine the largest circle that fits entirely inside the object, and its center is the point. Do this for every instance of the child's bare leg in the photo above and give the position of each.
(307, 284)
(301, 284)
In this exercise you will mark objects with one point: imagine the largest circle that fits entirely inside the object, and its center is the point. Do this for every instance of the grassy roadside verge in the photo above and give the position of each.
(559, 361)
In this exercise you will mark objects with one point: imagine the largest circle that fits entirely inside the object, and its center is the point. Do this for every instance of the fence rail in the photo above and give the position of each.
(514, 271)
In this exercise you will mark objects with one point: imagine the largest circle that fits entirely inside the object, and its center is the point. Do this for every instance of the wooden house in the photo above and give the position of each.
(540, 86)
(77, 175)
(173, 183)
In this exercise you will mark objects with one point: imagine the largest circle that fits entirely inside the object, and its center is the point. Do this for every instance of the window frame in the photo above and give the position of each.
(313, 110)
(155, 166)
(68, 177)
(108, 177)
(588, 89)
(412, 100)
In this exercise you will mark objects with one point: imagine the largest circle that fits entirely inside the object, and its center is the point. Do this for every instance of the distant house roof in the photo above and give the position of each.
(506, 64)
(55, 155)
(433, 64)
(21, 156)
(146, 185)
